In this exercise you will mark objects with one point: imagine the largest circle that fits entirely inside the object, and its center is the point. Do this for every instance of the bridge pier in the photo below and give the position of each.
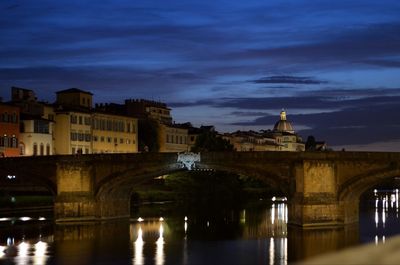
(76, 200)
(315, 202)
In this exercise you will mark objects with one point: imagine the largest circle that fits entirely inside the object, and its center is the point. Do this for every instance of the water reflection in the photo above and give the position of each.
(257, 234)
(386, 203)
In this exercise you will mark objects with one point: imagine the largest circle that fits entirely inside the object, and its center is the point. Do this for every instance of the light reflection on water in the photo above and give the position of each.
(257, 235)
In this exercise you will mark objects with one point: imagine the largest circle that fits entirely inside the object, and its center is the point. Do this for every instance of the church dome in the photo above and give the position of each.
(283, 125)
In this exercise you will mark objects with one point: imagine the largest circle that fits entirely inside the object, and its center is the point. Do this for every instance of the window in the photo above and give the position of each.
(109, 139)
(81, 136)
(41, 149)
(41, 126)
(87, 137)
(14, 118)
(180, 139)
(128, 141)
(121, 141)
(74, 136)
(5, 117)
(102, 139)
(128, 127)
(50, 117)
(73, 119)
(87, 120)
(14, 142)
(86, 151)
(80, 119)
(83, 101)
(47, 149)
(6, 143)
(35, 150)
(73, 150)
(115, 140)
(176, 139)
(22, 149)
(95, 138)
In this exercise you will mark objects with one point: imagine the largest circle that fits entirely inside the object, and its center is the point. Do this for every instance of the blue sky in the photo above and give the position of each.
(333, 65)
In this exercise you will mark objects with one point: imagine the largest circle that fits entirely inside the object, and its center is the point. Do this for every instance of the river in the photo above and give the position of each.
(156, 234)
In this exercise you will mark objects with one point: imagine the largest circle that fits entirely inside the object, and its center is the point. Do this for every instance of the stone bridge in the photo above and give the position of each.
(323, 188)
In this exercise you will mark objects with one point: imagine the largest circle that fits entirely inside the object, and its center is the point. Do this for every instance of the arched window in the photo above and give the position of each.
(41, 149)
(21, 149)
(47, 149)
(35, 150)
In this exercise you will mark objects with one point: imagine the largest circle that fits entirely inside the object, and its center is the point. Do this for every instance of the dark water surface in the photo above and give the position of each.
(257, 234)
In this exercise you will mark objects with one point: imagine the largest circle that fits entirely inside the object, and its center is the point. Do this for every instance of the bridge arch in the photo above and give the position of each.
(113, 193)
(349, 193)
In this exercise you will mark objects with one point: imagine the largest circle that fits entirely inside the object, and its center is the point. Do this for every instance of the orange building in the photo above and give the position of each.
(9, 130)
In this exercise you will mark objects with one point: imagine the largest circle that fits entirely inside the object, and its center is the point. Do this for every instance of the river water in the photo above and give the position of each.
(255, 234)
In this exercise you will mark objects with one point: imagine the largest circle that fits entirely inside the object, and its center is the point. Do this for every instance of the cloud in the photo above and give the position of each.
(284, 79)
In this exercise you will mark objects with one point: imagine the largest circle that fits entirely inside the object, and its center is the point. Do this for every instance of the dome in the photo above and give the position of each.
(283, 125)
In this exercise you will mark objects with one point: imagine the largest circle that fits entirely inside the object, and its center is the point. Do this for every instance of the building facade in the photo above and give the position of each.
(173, 138)
(9, 130)
(114, 134)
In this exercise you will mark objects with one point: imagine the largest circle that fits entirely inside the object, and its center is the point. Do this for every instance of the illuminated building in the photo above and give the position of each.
(251, 141)
(281, 138)
(36, 123)
(173, 138)
(285, 135)
(9, 130)
(114, 133)
(82, 130)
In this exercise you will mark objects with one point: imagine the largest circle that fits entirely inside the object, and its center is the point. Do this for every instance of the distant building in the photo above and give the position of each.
(9, 130)
(281, 138)
(285, 135)
(173, 138)
(148, 109)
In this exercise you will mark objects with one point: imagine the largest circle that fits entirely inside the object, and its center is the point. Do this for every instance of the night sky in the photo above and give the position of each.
(333, 65)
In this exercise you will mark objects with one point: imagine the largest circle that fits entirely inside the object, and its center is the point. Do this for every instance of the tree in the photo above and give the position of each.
(148, 135)
(311, 144)
(210, 141)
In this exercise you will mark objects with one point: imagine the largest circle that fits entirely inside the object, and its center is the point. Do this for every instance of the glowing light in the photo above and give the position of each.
(11, 176)
(2, 249)
(140, 219)
(376, 240)
(185, 226)
(376, 218)
(160, 259)
(161, 219)
(139, 257)
(10, 241)
(40, 248)
(25, 218)
(271, 251)
(42, 218)
(273, 214)
(186, 218)
(5, 219)
(383, 239)
(273, 198)
(23, 249)
(208, 223)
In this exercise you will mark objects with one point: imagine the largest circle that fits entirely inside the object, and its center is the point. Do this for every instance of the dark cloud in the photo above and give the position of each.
(285, 79)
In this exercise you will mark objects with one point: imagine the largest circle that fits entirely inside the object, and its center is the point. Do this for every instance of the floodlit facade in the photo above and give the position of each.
(173, 138)
(114, 134)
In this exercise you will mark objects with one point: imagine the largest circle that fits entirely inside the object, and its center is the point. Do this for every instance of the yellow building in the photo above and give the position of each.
(81, 130)
(173, 138)
(114, 134)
